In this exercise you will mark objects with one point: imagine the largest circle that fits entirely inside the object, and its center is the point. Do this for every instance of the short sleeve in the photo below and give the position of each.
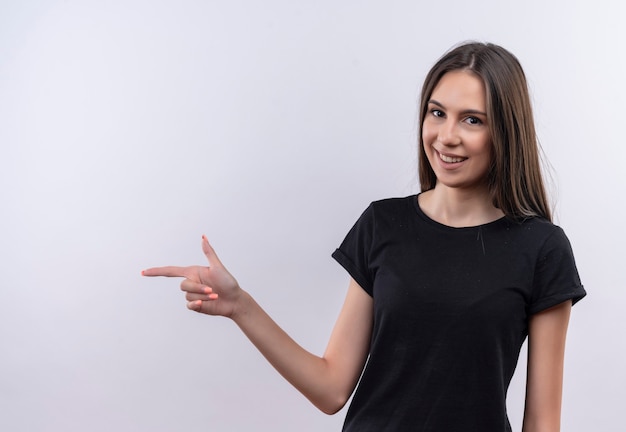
(354, 252)
(556, 277)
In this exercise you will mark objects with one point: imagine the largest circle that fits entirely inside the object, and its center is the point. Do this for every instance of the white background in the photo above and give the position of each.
(130, 128)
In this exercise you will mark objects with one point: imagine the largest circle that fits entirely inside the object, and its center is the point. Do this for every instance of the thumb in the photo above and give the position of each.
(209, 252)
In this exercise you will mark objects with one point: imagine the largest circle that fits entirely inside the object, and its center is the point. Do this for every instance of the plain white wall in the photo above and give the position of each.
(130, 128)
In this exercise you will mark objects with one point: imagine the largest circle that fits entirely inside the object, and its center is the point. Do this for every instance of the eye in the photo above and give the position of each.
(473, 120)
(437, 113)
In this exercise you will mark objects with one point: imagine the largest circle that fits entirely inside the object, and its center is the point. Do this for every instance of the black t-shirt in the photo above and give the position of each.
(451, 308)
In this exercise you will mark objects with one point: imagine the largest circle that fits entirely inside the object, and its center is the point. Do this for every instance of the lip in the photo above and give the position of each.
(450, 161)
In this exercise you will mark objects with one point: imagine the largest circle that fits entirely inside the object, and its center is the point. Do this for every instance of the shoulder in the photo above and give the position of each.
(393, 206)
(555, 276)
(391, 211)
(544, 240)
(384, 214)
(533, 238)
(536, 230)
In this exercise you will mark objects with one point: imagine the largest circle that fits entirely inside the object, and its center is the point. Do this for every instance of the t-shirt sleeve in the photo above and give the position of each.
(354, 252)
(556, 277)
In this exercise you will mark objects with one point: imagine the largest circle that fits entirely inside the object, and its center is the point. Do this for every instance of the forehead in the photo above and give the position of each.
(460, 89)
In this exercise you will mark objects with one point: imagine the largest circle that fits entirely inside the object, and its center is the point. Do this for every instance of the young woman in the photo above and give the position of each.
(445, 285)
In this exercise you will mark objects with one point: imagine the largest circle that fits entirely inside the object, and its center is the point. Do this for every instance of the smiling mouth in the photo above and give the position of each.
(451, 159)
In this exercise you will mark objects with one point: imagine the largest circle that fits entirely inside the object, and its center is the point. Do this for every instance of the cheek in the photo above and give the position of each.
(488, 147)
(428, 133)
(480, 145)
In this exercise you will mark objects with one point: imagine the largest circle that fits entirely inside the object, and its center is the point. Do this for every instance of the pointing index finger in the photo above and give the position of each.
(167, 271)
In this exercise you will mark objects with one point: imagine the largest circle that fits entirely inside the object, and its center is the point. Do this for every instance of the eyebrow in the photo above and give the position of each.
(467, 111)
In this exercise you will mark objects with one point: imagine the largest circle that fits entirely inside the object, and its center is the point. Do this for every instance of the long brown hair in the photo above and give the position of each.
(514, 178)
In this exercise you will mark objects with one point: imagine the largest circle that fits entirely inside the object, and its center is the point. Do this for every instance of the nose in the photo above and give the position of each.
(448, 134)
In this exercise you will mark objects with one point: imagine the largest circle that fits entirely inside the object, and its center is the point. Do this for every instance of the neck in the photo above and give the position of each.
(457, 207)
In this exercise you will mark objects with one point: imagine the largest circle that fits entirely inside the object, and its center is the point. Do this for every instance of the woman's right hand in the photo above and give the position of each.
(211, 290)
(326, 381)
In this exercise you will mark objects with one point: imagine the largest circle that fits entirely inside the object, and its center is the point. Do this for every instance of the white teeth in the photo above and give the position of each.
(449, 159)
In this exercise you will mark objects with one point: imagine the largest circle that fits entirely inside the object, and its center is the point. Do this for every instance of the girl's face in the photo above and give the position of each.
(456, 132)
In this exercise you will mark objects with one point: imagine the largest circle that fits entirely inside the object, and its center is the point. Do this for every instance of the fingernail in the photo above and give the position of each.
(207, 290)
(142, 272)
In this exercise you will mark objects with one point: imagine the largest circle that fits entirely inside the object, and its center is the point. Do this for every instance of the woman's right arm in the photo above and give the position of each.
(327, 381)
